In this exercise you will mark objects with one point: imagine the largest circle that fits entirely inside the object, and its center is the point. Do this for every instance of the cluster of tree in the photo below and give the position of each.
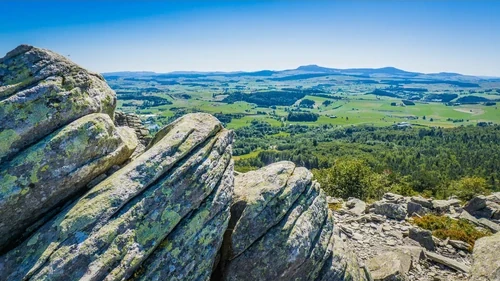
(408, 102)
(302, 116)
(432, 161)
(472, 99)
(147, 101)
(327, 102)
(307, 103)
(227, 118)
(383, 93)
(441, 97)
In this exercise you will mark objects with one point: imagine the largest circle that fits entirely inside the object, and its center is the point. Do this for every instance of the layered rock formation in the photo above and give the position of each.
(133, 121)
(51, 171)
(76, 205)
(40, 92)
(487, 207)
(56, 133)
(281, 229)
(181, 187)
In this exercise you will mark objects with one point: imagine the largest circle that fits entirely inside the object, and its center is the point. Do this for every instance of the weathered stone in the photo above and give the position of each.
(109, 232)
(342, 264)
(393, 198)
(453, 264)
(416, 253)
(179, 257)
(281, 228)
(466, 216)
(484, 206)
(443, 206)
(390, 210)
(356, 207)
(40, 92)
(461, 245)
(47, 174)
(133, 121)
(424, 202)
(493, 227)
(264, 197)
(390, 266)
(486, 265)
(423, 237)
(415, 208)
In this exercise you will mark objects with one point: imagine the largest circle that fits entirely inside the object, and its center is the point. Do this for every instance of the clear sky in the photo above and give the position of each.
(426, 36)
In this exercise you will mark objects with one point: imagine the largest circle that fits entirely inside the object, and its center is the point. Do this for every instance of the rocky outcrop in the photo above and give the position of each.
(40, 92)
(356, 206)
(281, 229)
(133, 121)
(161, 216)
(51, 171)
(486, 265)
(384, 245)
(56, 136)
(79, 201)
(487, 207)
(390, 210)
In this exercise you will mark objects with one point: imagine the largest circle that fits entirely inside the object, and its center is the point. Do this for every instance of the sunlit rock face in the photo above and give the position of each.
(281, 229)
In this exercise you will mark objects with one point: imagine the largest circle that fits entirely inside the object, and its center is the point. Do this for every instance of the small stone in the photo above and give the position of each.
(423, 237)
(357, 236)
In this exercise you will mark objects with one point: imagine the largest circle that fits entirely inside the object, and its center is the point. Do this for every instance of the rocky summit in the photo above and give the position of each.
(40, 92)
(85, 196)
(87, 193)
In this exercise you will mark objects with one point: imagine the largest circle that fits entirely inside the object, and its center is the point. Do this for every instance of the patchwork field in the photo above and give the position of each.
(380, 97)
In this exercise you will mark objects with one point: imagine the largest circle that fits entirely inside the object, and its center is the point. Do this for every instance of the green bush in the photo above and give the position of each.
(467, 187)
(445, 227)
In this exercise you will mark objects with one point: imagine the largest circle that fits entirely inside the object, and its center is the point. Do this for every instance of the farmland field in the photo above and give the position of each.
(339, 98)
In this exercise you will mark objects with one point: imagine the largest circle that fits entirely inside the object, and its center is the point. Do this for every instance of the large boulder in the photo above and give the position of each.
(389, 209)
(40, 92)
(161, 217)
(486, 264)
(423, 237)
(56, 168)
(281, 229)
(356, 206)
(390, 266)
(487, 207)
(443, 206)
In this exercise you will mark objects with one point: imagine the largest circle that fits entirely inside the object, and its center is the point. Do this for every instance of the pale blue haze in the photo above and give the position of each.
(162, 36)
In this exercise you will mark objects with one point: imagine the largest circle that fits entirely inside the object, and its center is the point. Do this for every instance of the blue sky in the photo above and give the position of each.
(162, 36)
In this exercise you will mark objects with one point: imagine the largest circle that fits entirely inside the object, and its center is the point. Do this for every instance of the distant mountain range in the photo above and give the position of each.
(312, 69)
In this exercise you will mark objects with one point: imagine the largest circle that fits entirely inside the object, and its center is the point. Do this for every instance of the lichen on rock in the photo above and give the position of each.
(109, 232)
(40, 92)
(281, 229)
(48, 173)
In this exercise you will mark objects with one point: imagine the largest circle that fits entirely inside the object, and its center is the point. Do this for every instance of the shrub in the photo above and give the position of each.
(347, 178)
(468, 187)
(444, 227)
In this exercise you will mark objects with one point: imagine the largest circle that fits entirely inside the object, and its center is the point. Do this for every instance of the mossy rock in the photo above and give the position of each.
(281, 229)
(166, 206)
(40, 92)
(56, 168)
